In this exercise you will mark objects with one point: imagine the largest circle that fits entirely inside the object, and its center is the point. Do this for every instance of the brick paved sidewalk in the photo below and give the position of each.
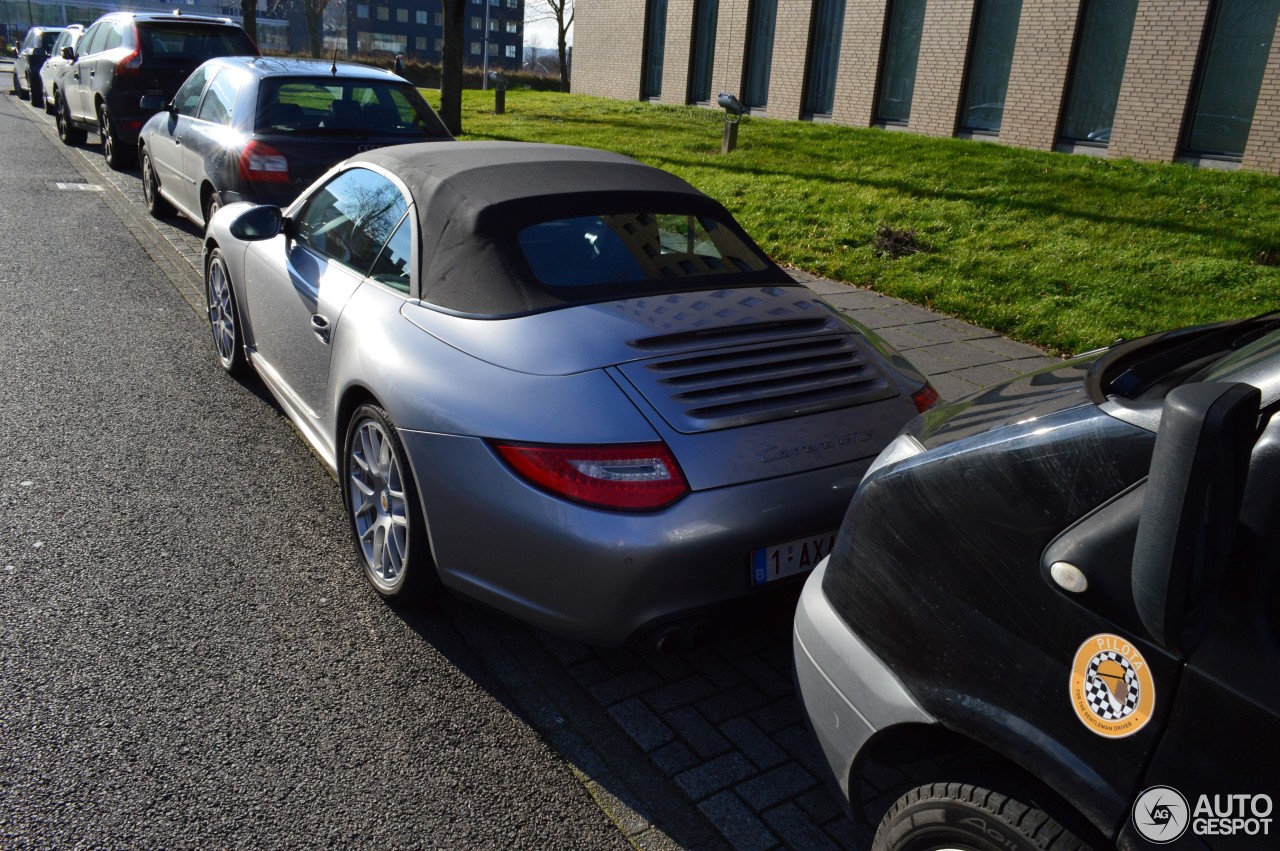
(705, 749)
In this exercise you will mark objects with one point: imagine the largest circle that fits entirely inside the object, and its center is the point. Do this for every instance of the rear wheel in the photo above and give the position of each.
(17, 84)
(960, 815)
(157, 206)
(37, 92)
(68, 134)
(115, 153)
(382, 506)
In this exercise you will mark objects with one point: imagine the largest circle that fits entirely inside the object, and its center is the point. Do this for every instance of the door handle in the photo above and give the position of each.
(320, 325)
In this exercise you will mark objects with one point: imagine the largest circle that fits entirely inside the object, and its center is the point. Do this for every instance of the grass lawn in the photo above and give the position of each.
(1068, 252)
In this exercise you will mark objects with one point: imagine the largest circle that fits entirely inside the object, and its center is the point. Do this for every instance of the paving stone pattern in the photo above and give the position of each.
(720, 725)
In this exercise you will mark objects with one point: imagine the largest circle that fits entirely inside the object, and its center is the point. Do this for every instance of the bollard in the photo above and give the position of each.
(499, 101)
(730, 135)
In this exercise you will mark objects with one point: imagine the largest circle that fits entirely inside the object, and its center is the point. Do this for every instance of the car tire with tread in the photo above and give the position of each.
(946, 815)
(36, 93)
(50, 102)
(156, 204)
(224, 316)
(112, 150)
(17, 85)
(68, 134)
(381, 501)
(212, 205)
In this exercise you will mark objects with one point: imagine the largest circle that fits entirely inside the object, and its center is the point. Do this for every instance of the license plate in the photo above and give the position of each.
(788, 559)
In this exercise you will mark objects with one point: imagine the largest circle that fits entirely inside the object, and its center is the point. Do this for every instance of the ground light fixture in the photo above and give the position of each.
(733, 112)
(499, 92)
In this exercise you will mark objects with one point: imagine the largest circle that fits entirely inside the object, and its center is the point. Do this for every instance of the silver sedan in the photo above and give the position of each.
(556, 381)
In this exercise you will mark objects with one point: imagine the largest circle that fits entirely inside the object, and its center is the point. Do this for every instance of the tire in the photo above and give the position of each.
(382, 507)
(960, 815)
(116, 154)
(17, 84)
(224, 316)
(34, 92)
(50, 102)
(212, 204)
(156, 205)
(68, 134)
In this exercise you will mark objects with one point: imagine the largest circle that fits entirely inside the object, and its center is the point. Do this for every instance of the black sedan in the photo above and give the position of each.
(262, 130)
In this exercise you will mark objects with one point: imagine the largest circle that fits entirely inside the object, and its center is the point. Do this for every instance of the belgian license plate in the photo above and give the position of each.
(788, 559)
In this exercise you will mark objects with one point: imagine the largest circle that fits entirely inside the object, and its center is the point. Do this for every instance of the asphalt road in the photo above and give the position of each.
(189, 655)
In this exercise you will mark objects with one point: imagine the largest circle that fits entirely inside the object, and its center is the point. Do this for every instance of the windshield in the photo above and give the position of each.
(587, 251)
(47, 40)
(190, 43)
(352, 107)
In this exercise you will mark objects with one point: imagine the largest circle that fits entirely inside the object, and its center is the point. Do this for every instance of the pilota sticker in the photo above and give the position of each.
(1112, 691)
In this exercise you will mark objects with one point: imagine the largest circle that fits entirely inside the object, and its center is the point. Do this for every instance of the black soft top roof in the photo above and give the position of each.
(473, 198)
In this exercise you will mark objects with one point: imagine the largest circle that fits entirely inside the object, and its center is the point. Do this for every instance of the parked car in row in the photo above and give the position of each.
(262, 130)
(36, 47)
(49, 70)
(125, 56)
(1052, 614)
(565, 384)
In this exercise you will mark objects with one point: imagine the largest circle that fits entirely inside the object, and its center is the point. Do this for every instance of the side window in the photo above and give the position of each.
(113, 36)
(392, 266)
(188, 97)
(220, 100)
(350, 217)
(92, 37)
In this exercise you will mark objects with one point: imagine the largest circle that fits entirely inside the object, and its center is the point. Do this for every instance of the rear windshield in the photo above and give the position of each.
(589, 251)
(336, 107)
(191, 43)
(47, 39)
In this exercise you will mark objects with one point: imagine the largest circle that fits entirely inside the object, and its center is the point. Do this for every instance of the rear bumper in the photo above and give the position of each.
(603, 576)
(848, 694)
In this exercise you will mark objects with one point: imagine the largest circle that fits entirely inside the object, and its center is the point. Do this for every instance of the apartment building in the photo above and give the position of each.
(416, 28)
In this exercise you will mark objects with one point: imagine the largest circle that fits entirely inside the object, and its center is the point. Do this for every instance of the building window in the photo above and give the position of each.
(704, 49)
(390, 43)
(511, 51)
(513, 4)
(477, 22)
(402, 16)
(990, 59)
(493, 50)
(384, 13)
(824, 56)
(420, 18)
(762, 20)
(1097, 70)
(362, 10)
(1231, 67)
(655, 38)
(901, 55)
(493, 25)
(439, 19)
(475, 48)
(439, 45)
(420, 42)
(513, 28)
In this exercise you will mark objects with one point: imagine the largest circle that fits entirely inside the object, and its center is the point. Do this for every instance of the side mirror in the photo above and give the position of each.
(153, 103)
(258, 223)
(1191, 508)
(68, 53)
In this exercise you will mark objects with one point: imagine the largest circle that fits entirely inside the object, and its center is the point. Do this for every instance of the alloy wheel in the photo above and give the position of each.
(378, 505)
(222, 315)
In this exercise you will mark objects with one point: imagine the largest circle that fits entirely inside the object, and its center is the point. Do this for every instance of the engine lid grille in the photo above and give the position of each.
(746, 385)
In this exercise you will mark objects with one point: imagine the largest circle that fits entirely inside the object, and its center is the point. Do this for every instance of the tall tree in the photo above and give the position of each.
(560, 11)
(313, 11)
(249, 12)
(451, 64)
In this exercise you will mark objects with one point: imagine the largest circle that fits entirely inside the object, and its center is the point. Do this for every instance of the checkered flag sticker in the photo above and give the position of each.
(1111, 686)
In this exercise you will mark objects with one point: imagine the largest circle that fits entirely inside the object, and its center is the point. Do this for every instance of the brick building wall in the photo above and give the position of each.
(860, 53)
(1157, 79)
(1038, 77)
(1263, 151)
(944, 47)
(675, 67)
(1148, 126)
(790, 53)
(731, 45)
(608, 48)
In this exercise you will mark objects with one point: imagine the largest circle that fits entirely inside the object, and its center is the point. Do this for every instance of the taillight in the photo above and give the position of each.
(630, 477)
(925, 398)
(261, 162)
(130, 64)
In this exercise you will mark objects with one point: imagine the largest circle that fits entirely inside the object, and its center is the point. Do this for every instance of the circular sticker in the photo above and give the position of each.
(1111, 687)
(1161, 814)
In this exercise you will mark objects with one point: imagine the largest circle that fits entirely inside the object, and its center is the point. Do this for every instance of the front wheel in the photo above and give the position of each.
(224, 315)
(66, 132)
(382, 505)
(212, 205)
(960, 815)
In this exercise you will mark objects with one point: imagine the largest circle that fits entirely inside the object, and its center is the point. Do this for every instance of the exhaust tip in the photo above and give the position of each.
(670, 642)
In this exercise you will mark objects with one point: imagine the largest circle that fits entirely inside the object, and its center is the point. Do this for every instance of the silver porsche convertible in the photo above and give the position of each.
(556, 381)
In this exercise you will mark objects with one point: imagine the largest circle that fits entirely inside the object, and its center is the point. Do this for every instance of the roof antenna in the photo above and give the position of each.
(334, 70)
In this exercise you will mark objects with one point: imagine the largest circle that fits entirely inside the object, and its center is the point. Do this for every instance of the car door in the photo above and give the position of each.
(298, 286)
(165, 144)
(78, 75)
(211, 138)
(99, 68)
